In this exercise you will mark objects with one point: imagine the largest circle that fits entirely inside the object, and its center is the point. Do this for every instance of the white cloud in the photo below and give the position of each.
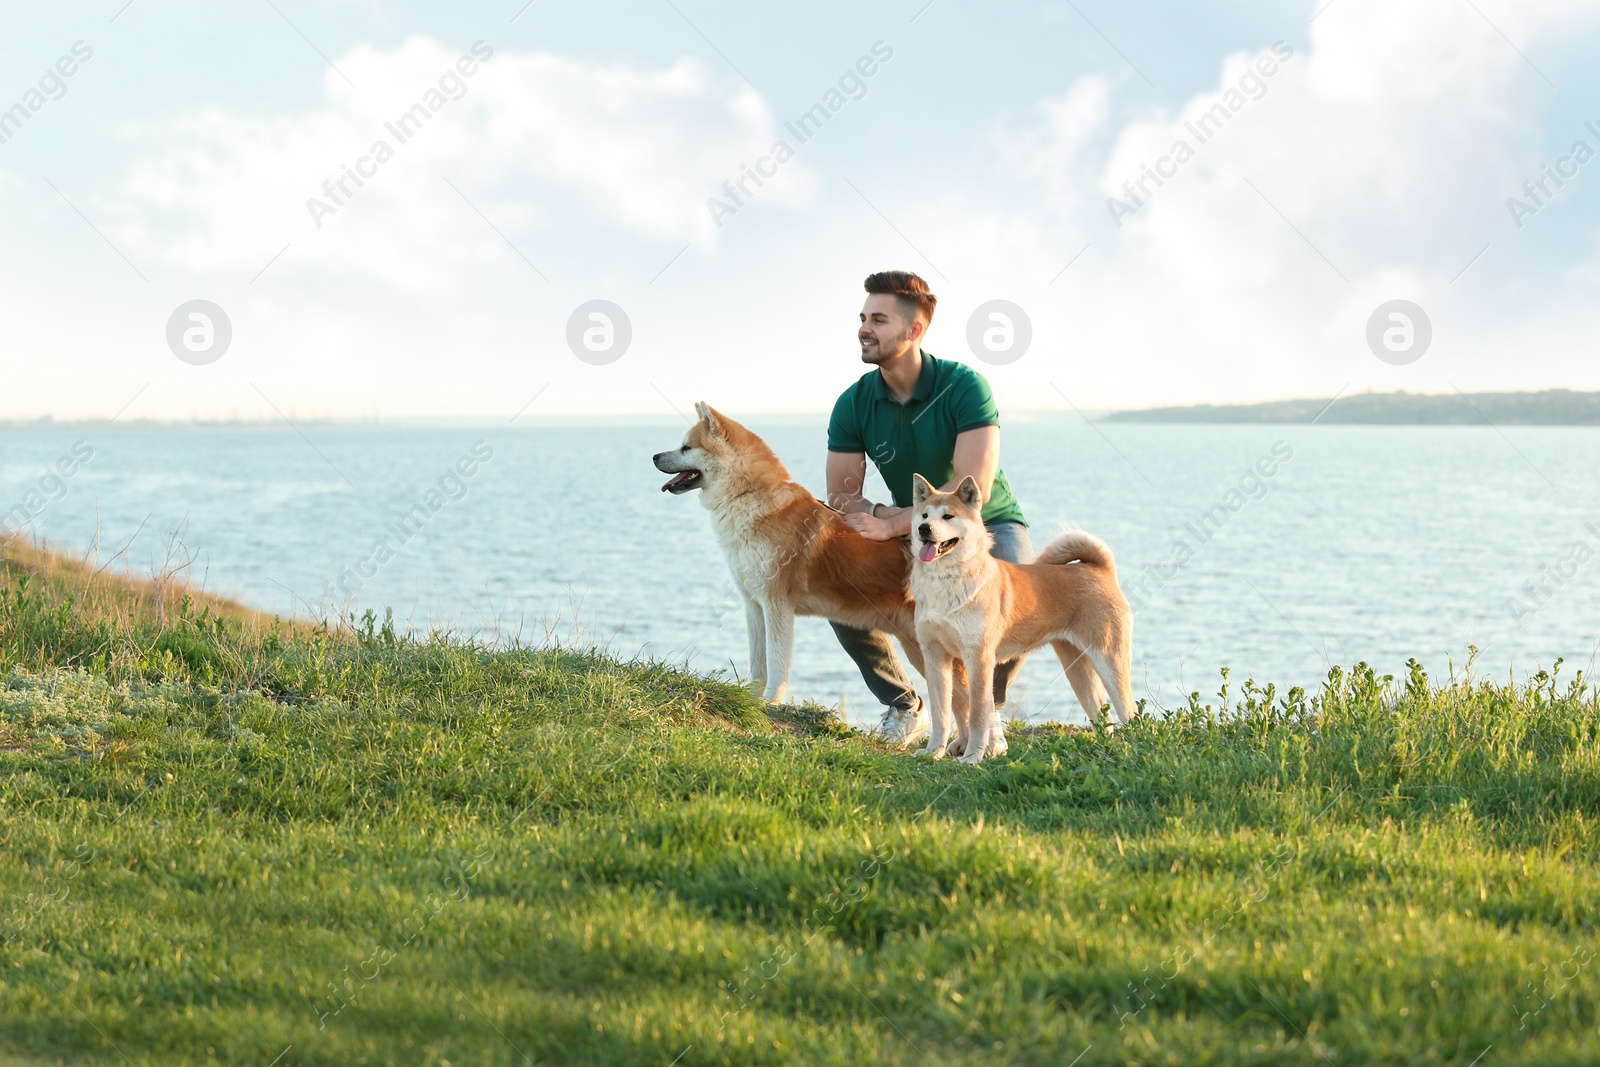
(538, 142)
(1386, 149)
(1055, 150)
(1390, 141)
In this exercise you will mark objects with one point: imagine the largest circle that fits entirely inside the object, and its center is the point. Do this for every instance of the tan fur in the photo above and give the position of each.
(790, 554)
(983, 610)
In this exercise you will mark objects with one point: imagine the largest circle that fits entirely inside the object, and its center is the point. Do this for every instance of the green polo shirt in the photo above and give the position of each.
(919, 436)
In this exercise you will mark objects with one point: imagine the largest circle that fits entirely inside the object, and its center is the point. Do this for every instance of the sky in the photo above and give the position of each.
(559, 228)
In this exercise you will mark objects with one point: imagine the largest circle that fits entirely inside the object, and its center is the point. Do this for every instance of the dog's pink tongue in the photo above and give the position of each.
(927, 551)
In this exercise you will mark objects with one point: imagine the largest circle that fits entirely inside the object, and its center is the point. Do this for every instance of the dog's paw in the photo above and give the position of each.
(997, 744)
(975, 756)
(930, 751)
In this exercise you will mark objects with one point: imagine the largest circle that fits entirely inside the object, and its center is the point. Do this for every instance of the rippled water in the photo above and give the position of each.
(1374, 543)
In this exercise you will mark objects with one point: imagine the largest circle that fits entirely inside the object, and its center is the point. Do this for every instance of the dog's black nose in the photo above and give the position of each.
(925, 531)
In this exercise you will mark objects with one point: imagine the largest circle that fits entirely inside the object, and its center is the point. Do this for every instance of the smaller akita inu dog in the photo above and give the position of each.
(981, 610)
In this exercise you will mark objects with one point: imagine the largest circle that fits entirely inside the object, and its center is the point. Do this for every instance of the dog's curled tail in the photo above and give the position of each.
(1079, 546)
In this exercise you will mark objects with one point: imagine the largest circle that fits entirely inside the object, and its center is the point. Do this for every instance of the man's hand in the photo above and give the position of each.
(873, 529)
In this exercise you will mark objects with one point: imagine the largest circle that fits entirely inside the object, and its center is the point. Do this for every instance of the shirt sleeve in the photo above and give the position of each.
(844, 432)
(972, 403)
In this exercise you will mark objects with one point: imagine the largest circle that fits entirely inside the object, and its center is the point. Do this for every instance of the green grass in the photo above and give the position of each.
(225, 837)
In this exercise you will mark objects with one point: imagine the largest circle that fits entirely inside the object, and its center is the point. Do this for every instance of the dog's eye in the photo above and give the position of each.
(947, 518)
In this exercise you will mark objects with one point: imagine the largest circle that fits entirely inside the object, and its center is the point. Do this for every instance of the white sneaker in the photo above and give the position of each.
(903, 726)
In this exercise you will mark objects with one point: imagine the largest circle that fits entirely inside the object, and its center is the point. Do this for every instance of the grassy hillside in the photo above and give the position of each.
(231, 840)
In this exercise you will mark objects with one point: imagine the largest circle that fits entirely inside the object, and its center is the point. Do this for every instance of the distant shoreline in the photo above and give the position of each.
(1551, 407)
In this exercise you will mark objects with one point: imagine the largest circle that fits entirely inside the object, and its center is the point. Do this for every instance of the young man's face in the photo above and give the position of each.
(886, 331)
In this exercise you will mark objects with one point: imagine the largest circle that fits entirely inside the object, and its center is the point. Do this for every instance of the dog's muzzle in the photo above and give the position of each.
(684, 478)
(929, 550)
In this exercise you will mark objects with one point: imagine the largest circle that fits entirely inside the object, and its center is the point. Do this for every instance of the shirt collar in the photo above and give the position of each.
(924, 387)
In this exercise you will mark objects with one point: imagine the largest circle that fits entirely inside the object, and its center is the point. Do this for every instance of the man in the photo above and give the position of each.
(913, 414)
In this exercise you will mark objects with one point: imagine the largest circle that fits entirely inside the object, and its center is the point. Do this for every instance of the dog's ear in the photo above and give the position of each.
(970, 494)
(921, 489)
(707, 416)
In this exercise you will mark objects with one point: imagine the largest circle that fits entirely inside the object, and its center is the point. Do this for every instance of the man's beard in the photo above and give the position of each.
(882, 353)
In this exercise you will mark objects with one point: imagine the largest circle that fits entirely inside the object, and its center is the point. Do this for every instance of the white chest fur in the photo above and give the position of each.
(945, 594)
(753, 560)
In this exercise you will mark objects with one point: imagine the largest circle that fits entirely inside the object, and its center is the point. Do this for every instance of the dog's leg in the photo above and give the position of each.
(960, 708)
(980, 703)
(913, 652)
(1085, 682)
(780, 651)
(1115, 666)
(756, 625)
(939, 668)
(998, 745)
(1122, 667)
(925, 666)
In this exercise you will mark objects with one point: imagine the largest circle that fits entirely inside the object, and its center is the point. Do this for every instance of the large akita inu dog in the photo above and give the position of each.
(983, 610)
(790, 553)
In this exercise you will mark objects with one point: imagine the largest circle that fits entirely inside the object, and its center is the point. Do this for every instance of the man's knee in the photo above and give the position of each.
(846, 632)
(851, 636)
(856, 640)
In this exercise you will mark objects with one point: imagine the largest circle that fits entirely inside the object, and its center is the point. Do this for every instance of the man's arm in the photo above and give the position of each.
(977, 455)
(847, 477)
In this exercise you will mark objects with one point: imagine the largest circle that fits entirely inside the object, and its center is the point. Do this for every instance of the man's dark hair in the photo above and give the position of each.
(915, 300)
